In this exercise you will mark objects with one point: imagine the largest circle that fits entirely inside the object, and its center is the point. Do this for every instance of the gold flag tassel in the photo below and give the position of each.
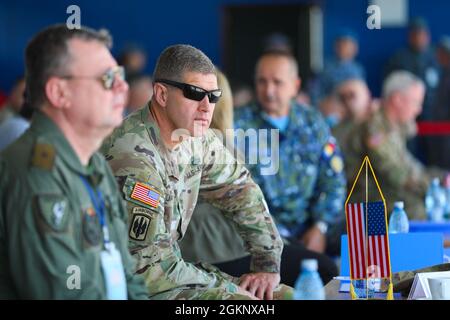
(352, 291)
(390, 293)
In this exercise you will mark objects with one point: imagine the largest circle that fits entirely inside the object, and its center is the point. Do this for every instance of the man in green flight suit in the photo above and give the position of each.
(164, 157)
(63, 232)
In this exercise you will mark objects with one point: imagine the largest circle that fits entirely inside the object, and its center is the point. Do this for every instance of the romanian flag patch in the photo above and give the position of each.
(329, 149)
(145, 194)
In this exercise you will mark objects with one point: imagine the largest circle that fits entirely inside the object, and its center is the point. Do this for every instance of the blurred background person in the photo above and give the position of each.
(383, 137)
(306, 192)
(342, 66)
(12, 122)
(133, 58)
(355, 100)
(141, 91)
(441, 103)
(439, 145)
(277, 41)
(419, 59)
(14, 101)
(242, 93)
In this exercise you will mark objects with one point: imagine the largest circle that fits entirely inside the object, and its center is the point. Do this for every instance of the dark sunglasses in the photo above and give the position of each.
(193, 92)
(107, 79)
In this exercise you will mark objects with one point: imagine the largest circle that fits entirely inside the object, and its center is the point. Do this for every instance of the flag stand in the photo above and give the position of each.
(368, 240)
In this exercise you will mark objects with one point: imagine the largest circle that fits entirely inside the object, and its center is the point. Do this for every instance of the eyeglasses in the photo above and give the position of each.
(108, 78)
(193, 92)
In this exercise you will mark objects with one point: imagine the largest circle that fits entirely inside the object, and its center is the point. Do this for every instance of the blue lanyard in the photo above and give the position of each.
(99, 205)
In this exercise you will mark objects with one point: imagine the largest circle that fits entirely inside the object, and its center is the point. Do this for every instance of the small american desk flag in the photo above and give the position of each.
(369, 249)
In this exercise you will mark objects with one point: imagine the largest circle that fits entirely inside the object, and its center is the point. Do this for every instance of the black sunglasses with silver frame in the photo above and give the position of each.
(193, 92)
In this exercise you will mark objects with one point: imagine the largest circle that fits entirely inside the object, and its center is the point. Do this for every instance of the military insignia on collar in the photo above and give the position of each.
(145, 194)
(337, 164)
(43, 156)
(91, 227)
(139, 227)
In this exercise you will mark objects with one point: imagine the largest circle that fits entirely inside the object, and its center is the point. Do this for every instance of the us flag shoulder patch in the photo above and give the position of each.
(145, 194)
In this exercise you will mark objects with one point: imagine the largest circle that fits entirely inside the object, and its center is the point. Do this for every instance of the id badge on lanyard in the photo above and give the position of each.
(111, 260)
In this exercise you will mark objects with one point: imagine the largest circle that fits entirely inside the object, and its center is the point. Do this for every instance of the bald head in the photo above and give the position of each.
(277, 82)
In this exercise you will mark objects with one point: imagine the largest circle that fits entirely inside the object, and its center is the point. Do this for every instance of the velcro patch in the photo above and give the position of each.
(337, 164)
(145, 194)
(139, 225)
(53, 208)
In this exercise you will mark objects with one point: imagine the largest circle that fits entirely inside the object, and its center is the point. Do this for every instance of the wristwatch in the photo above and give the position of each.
(322, 226)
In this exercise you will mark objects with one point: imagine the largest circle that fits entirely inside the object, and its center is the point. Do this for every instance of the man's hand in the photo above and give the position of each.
(314, 240)
(260, 284)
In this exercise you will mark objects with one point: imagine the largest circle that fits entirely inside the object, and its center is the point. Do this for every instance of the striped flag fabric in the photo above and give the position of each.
(145, 194)
(368, 246)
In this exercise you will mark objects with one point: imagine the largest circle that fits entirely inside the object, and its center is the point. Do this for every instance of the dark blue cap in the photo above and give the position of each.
(417, 24)
(346, 33)
(444, 43)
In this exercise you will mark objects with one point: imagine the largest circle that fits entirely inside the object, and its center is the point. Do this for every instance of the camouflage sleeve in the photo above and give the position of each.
(150, 241)
(394, 163)
(328, 198)
(228, 185)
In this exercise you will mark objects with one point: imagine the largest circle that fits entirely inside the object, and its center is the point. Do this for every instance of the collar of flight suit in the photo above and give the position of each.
(48, 132)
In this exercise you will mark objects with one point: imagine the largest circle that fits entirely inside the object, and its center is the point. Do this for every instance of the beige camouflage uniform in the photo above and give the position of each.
(175, 178)
(401, 176)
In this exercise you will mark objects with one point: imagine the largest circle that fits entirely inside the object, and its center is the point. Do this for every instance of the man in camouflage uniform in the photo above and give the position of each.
(164, 157)
(383, 138)
(52, 244)
(419, 59)
(306, 195)
(354, 98)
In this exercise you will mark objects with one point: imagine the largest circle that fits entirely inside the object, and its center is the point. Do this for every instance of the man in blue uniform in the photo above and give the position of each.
(419, 59)
(343, 66)
(306, 194)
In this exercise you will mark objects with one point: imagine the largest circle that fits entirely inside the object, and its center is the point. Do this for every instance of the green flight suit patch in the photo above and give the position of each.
(53, 210)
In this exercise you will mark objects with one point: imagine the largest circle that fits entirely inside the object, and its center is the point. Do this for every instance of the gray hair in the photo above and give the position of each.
(179, 59)
(399, 81)
(48, 55)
